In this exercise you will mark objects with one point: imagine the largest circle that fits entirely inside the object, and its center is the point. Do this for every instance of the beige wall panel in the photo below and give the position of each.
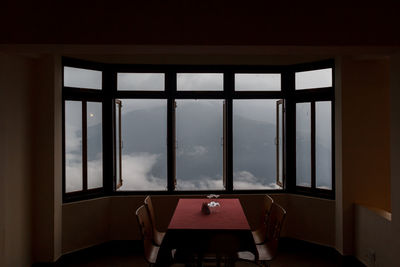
(85, 223)
(15, 181)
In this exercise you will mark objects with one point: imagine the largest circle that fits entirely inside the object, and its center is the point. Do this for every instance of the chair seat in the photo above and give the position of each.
(158, 237)
(265, 253)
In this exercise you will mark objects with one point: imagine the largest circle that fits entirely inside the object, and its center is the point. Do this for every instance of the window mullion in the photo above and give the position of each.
(288, 83)
(229, 91)
(84, 145)
(109, 87)
(170, 87)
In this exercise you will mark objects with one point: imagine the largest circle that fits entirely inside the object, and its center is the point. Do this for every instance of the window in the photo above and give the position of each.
(314, 79)
(83, 146)
(280, 128)
(314, 136)
(140, 81)
(82, 78)
(94, 142)
(200, 81)
(303, 144)
(83, 131)
(255, 158)
(257, 82)
(199, 144)
(323, 144)
(73, 146)
(136, 129)
(142, 147)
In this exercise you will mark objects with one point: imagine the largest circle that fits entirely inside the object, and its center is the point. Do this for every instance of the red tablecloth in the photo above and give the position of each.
(229, 216)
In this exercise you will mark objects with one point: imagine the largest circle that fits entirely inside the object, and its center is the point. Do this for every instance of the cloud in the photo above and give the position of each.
(246, 180)
(73, 172)
(305, 184)
(73, 166)
(197, 151)
(73, 138)
(95, 173)
(136, 172)
(242, 180)
(203, 183)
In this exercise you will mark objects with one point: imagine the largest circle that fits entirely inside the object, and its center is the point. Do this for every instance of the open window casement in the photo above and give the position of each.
(118, 145)
(280, 109)
(175, 144)
(224, 144)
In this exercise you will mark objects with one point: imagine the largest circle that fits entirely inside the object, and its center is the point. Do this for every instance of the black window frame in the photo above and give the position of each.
(287, 94)
(312, 96)
(84, 95)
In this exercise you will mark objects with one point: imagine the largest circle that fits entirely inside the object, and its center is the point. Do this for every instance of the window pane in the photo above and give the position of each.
(257, 82)
(314, 79)
(82, 78)
(94, 145)
(303, 144)
(144, 149)
(280, 143)
(254, 147)
(141, 81)
(323, 146)
(73, 146)
(199, 141)
(200, 82)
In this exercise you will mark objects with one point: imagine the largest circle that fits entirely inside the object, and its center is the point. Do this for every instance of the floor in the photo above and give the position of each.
(125, 253)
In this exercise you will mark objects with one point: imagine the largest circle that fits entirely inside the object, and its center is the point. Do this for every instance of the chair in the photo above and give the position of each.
(150, 250)
(260, 234)
(158, 236)
(268, 250)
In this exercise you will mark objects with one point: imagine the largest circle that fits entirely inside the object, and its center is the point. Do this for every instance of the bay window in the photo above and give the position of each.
(135, 129)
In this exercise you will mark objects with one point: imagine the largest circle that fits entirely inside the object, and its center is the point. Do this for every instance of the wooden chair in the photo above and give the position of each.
(158, 235)
(268, 250)
(260, 234)
(150, 250)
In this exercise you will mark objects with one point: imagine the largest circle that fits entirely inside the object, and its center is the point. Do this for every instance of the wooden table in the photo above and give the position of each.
(225, 231)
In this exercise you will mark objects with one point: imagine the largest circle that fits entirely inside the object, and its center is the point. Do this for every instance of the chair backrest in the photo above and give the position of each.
(146, 231)
(264, 218)
(274, 226)
(268, 201)
(150, 208)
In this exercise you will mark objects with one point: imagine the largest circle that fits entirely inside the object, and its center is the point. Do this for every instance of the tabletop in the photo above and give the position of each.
(229, 216)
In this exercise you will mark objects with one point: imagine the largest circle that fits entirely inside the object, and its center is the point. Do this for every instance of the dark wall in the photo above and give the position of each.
(205, 22)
